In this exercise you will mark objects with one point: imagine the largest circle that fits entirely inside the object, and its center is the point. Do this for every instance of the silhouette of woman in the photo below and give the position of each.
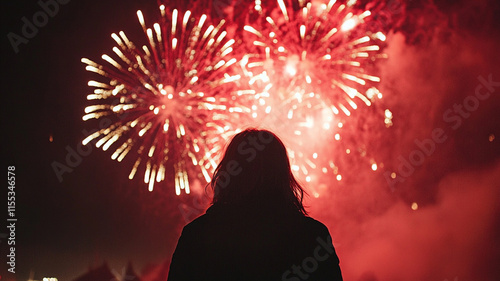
(257, 228)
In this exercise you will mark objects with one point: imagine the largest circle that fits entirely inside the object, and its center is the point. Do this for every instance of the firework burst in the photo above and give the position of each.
(171, 103)
(314, 61)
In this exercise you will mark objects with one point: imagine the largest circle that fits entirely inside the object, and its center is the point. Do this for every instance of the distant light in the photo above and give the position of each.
(339, 177)
(414, 206)
(51, 139)
(49, 279)
(393, 175)
(491, 138)
(374, 166)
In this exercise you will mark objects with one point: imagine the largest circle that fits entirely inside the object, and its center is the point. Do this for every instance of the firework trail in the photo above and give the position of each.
(172, 103)
(314, 62)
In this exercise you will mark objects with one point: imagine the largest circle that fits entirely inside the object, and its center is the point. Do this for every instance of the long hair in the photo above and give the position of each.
(255, 170)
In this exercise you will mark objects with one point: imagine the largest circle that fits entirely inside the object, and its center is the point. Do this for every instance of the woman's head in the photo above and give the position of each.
(255, 169)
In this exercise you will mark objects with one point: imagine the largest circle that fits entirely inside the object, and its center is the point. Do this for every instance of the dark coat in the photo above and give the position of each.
(239, 244)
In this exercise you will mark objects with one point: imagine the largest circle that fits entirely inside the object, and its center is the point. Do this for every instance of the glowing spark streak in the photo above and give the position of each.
(283, 9)
(348, 25)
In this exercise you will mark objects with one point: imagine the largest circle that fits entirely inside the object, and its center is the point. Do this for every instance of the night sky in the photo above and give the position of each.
(437, 52)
